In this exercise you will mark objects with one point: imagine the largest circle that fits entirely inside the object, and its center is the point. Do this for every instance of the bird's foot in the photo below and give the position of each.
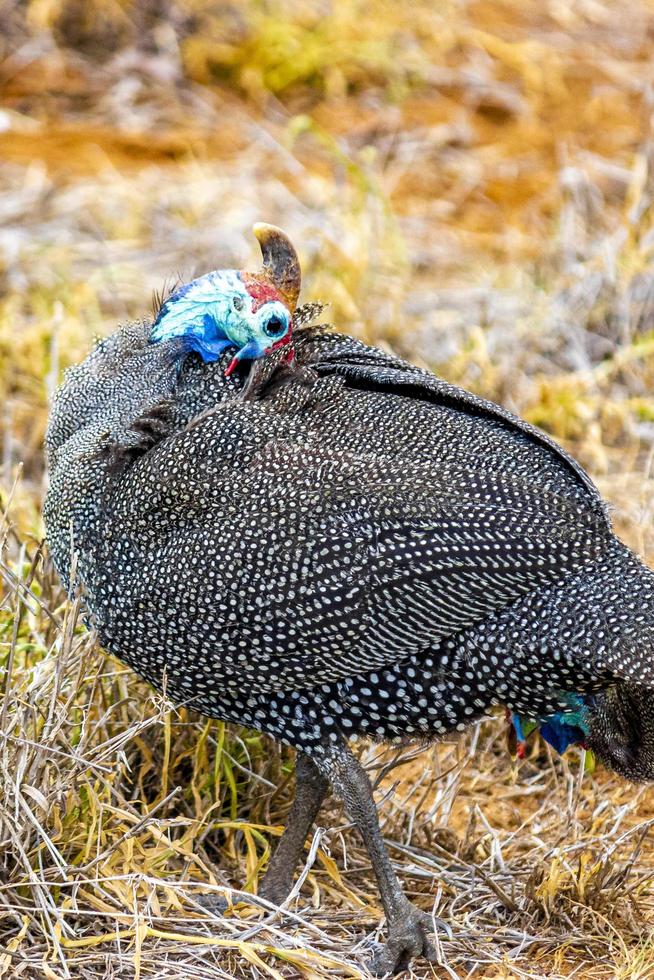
(410, 934)
(217, 904)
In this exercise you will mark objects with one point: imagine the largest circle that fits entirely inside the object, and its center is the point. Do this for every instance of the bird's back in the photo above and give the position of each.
(326, 526)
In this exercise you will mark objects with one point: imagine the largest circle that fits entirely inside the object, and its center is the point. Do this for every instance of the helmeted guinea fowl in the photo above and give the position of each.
(329, 542)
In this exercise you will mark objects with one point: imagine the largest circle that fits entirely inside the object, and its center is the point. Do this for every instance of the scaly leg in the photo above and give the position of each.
(310, 790)
(410, 931)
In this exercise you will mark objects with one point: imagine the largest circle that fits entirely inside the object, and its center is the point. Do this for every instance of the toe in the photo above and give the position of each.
(440, 925)
(410, 936)
(213, 903)
(385, 962)
(429, 950)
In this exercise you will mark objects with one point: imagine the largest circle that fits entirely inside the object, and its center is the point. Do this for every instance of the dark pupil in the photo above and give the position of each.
(275, 326)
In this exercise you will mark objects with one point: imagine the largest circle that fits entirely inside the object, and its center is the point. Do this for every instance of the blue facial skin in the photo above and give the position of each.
(215, 312)
(564, 728)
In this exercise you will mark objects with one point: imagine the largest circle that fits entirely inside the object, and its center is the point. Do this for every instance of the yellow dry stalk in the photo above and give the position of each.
(588, 868)
(166, 758)
(144, 931)
(335, 876)
(12, 946)
(553, 881)
(200, 767)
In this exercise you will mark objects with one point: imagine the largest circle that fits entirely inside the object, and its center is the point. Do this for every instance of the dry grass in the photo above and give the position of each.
(470, 183)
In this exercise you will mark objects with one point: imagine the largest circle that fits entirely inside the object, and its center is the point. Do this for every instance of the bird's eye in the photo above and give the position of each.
(275, 326)
(238, 303)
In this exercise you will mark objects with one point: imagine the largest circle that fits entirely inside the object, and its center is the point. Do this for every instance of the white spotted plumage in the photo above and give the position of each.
(355, 549)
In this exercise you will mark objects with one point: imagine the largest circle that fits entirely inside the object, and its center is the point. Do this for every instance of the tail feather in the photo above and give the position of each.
(593, 628)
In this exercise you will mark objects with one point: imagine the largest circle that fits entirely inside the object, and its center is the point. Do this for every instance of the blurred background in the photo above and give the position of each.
(468, 182)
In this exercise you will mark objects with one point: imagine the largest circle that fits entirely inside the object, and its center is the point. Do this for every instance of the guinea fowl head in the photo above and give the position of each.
(621, 730)
(251, 312)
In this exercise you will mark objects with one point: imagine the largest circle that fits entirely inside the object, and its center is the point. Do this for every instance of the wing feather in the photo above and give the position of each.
(272, 541)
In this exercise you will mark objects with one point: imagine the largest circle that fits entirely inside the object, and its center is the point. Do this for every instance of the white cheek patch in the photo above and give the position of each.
(205, 309)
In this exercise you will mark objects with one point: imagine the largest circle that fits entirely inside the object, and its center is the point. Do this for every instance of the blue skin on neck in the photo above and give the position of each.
(215, 312)
(564, 728)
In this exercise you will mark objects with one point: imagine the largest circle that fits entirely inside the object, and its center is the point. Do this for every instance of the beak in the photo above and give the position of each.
(253, 352)
(250, 352)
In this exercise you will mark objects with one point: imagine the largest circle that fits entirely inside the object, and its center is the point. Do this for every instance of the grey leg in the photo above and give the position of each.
(410, 931)
(310, 790)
